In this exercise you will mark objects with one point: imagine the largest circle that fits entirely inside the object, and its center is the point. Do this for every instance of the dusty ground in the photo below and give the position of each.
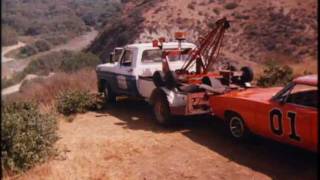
(123, 142)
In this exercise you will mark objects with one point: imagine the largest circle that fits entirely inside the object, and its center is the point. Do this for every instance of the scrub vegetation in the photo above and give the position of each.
(54, 20)
(27, 136)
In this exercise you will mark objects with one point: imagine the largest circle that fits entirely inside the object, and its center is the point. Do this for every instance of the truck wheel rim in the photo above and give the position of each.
(236, 127)
(159, 112)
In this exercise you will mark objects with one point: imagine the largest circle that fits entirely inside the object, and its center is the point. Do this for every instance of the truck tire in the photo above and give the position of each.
(109, 96)
(158, 79)
(161, 109)
(247, 74)
(237, 127)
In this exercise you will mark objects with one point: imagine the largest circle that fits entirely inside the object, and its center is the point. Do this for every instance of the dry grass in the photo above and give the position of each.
(44, 91)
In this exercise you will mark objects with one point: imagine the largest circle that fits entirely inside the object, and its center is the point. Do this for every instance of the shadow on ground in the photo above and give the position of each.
(276, 160)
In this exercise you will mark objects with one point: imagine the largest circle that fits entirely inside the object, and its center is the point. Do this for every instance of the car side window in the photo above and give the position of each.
(127, 58)
(304, 95)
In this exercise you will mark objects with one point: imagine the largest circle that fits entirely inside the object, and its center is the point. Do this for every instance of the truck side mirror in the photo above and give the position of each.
(108, 60)
(103, 61)
(111, 57)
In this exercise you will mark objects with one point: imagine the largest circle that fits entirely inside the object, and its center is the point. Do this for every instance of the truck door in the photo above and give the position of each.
(125, 78)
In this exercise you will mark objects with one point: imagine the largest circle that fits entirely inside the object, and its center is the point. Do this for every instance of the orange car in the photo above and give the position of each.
(288, 114)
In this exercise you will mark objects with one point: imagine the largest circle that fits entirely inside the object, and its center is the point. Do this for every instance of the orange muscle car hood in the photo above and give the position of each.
(258, 94)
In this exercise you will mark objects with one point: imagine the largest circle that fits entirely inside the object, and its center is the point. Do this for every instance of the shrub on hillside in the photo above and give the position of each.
(27, 136)
(78, 61)
(75, 101)
(191, 6)
(231, 5)
(56, 39)
(275, 75)
(28, 50)
(44, 91)
(42, 45)
(65, 61)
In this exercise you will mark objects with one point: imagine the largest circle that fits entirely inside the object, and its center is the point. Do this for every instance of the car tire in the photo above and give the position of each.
(237, 127)
(161, 110)
(109, 96)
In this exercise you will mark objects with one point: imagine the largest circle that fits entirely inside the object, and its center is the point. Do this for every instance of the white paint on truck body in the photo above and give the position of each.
(141, 69)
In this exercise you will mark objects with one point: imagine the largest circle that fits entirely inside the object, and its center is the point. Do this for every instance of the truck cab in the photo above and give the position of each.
(130, 69)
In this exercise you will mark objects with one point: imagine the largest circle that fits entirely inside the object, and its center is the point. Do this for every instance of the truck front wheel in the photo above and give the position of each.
(161, 110)
(109, 96)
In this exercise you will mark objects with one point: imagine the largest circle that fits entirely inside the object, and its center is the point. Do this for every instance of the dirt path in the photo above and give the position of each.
(16, 88)
(6, 49)
(123, 142)
(76, 44)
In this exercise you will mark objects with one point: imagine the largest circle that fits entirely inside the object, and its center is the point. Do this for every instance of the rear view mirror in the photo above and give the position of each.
(281, 100)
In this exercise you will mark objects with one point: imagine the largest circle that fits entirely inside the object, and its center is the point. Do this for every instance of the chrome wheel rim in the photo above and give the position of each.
(236, 127)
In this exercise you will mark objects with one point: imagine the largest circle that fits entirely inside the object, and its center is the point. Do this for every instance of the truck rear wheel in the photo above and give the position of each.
(161, 110)
(109, 96)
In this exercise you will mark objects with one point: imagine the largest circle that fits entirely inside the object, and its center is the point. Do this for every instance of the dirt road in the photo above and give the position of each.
(6, 49)
(123, 142)
(11, 66)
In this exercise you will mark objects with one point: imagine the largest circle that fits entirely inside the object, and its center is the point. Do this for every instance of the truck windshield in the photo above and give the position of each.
(154, 56)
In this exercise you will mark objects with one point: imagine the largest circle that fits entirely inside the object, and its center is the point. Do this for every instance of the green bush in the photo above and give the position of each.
(28, 50)
(78, 61)
(56, 39)
(75, 101)
(27, 136)
(42, 45)
(275, 75)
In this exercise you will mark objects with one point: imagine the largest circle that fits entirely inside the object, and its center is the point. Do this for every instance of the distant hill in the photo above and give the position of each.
(56, 20)
(260, 30)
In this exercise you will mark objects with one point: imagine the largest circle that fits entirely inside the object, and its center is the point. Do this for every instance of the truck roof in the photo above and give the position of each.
(166, 44)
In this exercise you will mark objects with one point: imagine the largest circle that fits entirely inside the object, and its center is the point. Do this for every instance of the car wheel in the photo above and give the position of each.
(109, 96)
(237, 127)
(161, 110)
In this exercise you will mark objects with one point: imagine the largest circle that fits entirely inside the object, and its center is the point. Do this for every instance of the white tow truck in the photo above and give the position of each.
(131, 71)
(176, 78)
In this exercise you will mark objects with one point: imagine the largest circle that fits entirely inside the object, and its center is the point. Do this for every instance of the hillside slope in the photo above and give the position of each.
(260, 30)
(55, 21)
